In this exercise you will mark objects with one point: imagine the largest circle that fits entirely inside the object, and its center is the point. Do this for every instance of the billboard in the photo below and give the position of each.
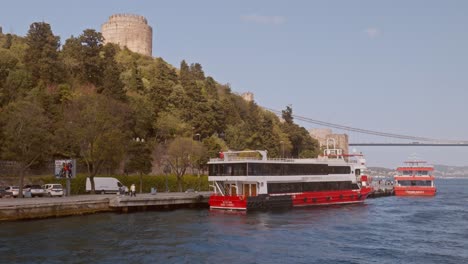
(65, 169)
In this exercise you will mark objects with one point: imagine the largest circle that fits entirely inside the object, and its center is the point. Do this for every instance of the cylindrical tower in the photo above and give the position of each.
(131, 31)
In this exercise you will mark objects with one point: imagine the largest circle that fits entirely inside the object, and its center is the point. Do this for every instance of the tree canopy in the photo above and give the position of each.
(93, 99)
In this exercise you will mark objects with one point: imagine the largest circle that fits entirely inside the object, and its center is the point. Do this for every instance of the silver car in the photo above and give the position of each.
(36, 190)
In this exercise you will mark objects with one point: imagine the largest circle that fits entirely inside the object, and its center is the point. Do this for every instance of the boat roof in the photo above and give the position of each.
(260, 156)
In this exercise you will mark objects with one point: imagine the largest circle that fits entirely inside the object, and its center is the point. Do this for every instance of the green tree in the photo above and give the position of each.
(287, 115)
(162, 85)
(136, 79)
(303, 145)
(8, 64)
(8, 41)
(181, 152)
(184, 73)
(82, 55)
(26, 136)
(214, 145)
(97, 125)
(196, 72)
(42, 55)
(140, 159)
(17, 84)
(110, 84)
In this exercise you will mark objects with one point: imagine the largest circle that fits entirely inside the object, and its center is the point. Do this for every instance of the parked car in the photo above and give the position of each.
(3, 192)
(53, 189)
(12, 191)
(36, 190)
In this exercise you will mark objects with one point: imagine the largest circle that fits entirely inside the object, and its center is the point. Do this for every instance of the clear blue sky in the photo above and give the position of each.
(393, 66)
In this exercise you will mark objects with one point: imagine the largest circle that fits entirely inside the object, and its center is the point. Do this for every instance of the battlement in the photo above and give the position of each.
(127, 17)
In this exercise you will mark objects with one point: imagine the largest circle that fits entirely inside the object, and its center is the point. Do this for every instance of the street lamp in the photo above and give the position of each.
(198, 165)
(167, 170)
(282, 148)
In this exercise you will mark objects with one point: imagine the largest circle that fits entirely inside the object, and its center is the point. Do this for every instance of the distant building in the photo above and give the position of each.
(1, 30)
(248, 96)
(131, 31)
(325, 136)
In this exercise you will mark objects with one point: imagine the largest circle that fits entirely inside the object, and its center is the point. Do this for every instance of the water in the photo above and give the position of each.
(384, 230)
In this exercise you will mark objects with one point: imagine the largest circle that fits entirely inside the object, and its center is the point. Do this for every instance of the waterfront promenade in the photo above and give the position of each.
(34, 208)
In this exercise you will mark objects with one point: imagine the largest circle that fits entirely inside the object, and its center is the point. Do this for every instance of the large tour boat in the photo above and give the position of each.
(415, 179)
(249, 180)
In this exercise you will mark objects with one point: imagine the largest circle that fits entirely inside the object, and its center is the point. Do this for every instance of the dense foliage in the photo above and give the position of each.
(91, 101)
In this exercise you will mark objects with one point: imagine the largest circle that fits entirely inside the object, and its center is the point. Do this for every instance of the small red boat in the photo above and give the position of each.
(415, 178)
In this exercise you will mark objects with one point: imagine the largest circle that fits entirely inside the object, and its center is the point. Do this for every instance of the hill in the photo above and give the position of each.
(116, 110)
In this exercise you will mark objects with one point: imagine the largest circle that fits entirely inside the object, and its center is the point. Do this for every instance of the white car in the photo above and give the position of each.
(53, 189)
(35, 190)
(12, 190)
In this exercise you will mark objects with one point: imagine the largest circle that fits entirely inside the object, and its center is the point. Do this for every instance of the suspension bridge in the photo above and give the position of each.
(386, 139)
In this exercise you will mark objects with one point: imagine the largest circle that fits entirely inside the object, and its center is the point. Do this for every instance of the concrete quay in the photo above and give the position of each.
(157, 201)
(36, 208)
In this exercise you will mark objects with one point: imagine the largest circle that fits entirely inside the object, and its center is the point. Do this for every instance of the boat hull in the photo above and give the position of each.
(414, 191)
(265, 202)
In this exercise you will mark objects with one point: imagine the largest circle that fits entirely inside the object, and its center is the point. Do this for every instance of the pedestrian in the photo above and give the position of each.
(132, 190)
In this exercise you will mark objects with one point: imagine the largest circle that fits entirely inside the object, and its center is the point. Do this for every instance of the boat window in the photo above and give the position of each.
(415, 183)
(339, 170)
(310, 186)
(275, 169)
(236, 169)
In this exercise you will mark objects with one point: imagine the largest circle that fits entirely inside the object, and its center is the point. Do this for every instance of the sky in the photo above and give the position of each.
(392, 66)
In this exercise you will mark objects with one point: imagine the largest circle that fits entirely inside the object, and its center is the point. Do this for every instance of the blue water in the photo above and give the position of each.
(383, 230)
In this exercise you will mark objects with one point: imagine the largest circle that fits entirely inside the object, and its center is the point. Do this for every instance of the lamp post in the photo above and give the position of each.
(167, 170)
(282, 148)
(198, 165)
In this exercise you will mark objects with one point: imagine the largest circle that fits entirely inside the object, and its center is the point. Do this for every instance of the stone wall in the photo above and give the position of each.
(131, 31)
(324, 134)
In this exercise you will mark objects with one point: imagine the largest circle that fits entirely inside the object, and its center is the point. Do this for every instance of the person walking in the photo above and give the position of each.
(132, 190)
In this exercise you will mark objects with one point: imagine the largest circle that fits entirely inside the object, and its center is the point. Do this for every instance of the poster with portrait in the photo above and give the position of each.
(65, 169)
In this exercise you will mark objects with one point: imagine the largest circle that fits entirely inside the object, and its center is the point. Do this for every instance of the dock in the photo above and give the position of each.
(37, 208)
(381, 190)
(145, 202)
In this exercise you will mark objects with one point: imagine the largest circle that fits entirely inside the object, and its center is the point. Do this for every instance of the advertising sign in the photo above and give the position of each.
(65, 169)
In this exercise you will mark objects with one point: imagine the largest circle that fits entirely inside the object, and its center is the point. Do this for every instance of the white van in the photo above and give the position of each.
(105, 185)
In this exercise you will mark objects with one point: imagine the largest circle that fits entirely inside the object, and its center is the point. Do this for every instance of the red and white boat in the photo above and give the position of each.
(248, 181)
(415, 179)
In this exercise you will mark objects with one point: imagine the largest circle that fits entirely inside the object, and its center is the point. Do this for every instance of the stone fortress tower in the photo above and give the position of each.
(131, 31)
(248, 96)
(324, 134)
